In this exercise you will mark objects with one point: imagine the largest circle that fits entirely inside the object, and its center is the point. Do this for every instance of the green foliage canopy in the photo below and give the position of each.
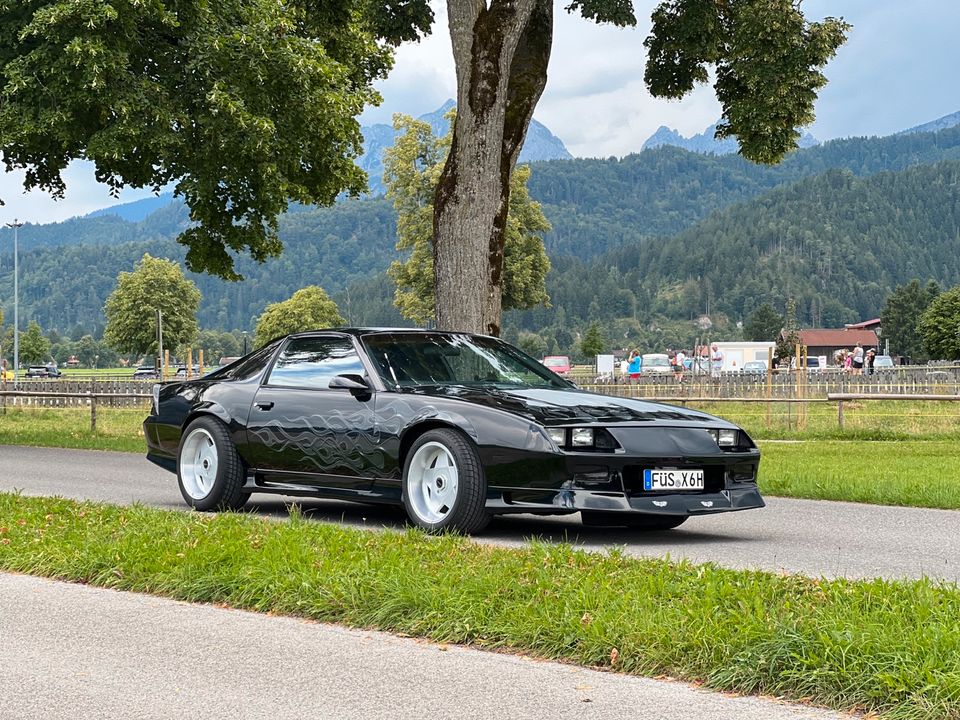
(131, 310)
(242, 105)
(763, 324)
(901, 315)
(593, 341)
(307, 309)
(34, 347)
(412, 169)
(767, 60)
(940, 326)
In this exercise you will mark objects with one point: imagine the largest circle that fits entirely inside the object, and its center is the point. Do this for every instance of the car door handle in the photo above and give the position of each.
(264, 405)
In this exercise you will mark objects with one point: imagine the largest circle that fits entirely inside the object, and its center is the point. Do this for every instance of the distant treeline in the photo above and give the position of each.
(663, 235)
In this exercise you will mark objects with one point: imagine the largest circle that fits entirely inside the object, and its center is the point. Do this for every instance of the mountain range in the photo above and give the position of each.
(707, 141)
(540, 144)
(664, 235)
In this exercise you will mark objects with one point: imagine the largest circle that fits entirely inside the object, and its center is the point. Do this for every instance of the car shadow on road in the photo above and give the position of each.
(509, 529)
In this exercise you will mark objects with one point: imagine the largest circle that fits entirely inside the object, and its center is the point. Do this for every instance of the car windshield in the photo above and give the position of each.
(438, 359)
(656, 362)
(556, 362)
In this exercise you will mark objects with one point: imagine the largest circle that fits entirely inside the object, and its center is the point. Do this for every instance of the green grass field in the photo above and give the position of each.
(889, 647)
(919, 470)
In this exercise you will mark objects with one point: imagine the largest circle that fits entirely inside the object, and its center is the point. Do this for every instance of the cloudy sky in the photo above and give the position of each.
(898, 69)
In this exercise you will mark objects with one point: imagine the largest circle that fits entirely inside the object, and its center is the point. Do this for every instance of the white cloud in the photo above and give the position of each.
(83, 195)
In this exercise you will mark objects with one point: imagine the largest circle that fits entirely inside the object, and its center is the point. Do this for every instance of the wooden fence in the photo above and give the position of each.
(912, 381)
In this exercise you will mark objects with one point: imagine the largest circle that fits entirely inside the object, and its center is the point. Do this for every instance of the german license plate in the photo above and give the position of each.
(673, 480)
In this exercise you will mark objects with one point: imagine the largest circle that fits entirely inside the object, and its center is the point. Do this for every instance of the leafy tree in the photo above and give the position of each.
(763, 324)
(34, 347)
(250, 104)
(131, 310)
(244, 105)
(939, 326)
(789, 337)
(412, 168)
(901, 315)
(307, 309)
(532, 344)
(593, 342)
(87, 350)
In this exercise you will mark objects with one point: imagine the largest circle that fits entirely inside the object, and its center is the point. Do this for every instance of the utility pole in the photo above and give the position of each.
(159, 362)
(16, 225)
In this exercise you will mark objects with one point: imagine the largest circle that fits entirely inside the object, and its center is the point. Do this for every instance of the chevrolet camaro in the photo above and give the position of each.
(454, 427)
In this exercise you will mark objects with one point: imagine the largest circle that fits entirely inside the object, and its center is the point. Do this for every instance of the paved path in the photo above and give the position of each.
(71, 652)
(811, 537)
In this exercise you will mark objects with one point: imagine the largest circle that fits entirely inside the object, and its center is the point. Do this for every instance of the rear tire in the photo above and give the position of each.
(209, 470)
(641, 521)
(444, 485)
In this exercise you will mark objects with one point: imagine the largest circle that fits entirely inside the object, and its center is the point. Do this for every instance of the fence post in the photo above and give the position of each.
(840, 413)
(93, 413)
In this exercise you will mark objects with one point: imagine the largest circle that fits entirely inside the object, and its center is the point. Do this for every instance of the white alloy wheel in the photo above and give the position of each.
(198, 463)
(432, 482)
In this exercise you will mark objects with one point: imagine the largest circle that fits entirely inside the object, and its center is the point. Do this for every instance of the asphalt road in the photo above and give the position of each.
(814, 538)
(71, 652)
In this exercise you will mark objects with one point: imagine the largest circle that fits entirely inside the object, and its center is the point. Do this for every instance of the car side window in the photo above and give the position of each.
(248, 367)
(312, 362)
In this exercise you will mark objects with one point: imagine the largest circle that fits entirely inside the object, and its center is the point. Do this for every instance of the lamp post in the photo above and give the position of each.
(244, 342)
(16, 225)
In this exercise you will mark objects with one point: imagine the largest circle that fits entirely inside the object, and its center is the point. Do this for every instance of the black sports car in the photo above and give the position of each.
(456, 427)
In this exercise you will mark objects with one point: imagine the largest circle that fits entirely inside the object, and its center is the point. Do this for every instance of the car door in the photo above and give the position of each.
(299, 428)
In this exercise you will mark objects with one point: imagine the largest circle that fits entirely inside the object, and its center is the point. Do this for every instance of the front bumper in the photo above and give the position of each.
(612, 482)
(562, 501)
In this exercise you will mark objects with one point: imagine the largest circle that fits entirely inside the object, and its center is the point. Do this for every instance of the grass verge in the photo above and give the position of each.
(911, 473)
(117, 428)
(891, 647)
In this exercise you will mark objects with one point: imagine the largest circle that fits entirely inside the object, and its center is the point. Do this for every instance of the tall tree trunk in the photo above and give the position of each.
(501, 54)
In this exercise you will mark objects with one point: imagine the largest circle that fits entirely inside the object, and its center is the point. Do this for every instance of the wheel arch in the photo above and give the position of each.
(412, 433)
(209, 410)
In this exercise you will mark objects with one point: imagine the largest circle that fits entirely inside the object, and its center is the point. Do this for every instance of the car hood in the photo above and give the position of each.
(566, 407)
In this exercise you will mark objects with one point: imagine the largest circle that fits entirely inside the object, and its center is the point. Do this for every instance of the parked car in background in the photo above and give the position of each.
(560, 364)
(883, 362)
(182, 371)
(755, 367)
(42, 371)
(145, 372)
(655, 364)
(453, 427)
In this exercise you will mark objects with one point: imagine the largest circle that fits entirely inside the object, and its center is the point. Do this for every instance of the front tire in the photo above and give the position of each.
(444, 486)
(209, 470)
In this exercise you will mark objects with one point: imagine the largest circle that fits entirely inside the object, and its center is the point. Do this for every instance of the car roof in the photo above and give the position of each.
(361, 331)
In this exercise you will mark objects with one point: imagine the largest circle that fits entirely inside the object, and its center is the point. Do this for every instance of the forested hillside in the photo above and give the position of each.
(595, 205)
(835, 241)
(63, 286)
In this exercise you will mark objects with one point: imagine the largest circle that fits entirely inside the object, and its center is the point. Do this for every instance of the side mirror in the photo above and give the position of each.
(354, 383)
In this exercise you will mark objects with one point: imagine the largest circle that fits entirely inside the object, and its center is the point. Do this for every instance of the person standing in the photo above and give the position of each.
(678, 367)
(716, 360)
(633, 367)
(857, 362)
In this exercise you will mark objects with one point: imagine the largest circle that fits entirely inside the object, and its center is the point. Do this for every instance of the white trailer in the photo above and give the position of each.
(735, 354)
